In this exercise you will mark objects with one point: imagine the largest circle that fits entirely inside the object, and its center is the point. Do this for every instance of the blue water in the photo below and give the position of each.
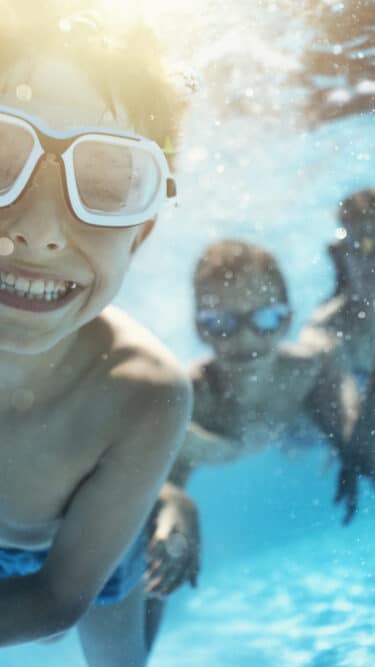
(283, 583)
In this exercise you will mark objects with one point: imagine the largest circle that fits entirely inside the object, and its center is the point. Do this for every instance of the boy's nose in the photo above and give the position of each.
(37, 235)
(39, 226)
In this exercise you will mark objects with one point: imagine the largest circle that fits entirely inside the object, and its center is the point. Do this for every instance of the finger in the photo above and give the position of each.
(174, 583)
(159, 575)
(156, 549)
(154, 566)
(152, 586)
(161, 566)
(179, 576)
(172, 578)
(167, 575)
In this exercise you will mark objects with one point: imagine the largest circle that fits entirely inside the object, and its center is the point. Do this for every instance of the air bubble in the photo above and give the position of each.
(24, 92)
(6, 246)
(341, 233)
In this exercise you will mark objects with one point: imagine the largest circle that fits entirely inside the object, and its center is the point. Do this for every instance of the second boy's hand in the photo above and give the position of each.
(174, 547)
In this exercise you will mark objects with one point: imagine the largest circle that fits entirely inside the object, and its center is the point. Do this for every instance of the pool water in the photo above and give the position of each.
(283, 583)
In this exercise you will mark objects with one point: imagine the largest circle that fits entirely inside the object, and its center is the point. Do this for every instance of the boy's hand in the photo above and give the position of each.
(174, 546)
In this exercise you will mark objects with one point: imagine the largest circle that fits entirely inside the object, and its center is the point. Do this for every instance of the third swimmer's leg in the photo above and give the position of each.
(112, 635)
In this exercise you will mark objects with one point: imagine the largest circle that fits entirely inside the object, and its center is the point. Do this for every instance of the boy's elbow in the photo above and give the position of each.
(61, 610)
(64, 615)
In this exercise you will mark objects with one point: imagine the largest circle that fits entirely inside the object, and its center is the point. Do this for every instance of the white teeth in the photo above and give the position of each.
(10, 279)
(22, 284)
(37, 287)
(48, 290)
(49, 286)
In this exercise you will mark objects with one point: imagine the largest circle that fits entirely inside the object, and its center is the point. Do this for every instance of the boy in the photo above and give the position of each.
(256, 390)
(92, 405)
(349, 316)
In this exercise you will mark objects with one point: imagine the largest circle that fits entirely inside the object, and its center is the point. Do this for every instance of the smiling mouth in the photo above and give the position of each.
(22, 291)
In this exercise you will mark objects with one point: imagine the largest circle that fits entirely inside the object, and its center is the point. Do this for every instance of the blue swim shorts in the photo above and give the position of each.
(18, 562)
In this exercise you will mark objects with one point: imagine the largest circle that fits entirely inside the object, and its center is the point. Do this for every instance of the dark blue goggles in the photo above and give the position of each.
(261, 321)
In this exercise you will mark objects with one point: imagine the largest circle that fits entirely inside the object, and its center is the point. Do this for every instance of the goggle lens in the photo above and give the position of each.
(270, 318)
(16, 145)
(114, 178)
(217, 323)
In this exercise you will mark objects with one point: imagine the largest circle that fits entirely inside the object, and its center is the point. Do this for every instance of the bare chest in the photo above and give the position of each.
(44, 456)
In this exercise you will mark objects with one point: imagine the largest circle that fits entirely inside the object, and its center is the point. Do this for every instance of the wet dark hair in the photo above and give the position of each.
(224, 260)
(357, 206)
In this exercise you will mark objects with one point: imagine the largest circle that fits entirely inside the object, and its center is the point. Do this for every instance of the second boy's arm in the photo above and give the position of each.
(95, 530)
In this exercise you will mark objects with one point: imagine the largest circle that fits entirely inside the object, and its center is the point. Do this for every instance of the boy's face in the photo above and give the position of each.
(244, 294)
(49, 243)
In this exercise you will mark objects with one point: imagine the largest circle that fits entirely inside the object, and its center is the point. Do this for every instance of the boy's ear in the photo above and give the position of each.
(143, 233)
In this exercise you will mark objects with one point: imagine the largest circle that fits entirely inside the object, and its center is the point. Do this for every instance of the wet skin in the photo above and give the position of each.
(79, 470)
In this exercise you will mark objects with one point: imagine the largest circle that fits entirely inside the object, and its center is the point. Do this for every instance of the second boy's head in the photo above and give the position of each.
(241, 301)
(78, 191)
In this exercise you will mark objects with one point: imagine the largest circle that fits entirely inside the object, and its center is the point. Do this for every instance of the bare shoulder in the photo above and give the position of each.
(136, 354)
(141, 377)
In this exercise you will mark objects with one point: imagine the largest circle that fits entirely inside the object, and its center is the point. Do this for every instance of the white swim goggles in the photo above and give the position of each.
(111, 178)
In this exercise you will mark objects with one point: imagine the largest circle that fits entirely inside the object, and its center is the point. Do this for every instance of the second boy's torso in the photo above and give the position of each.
(252, 412)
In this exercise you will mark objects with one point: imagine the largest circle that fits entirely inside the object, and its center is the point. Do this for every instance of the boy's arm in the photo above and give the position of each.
(197, 440)
(95, 530)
